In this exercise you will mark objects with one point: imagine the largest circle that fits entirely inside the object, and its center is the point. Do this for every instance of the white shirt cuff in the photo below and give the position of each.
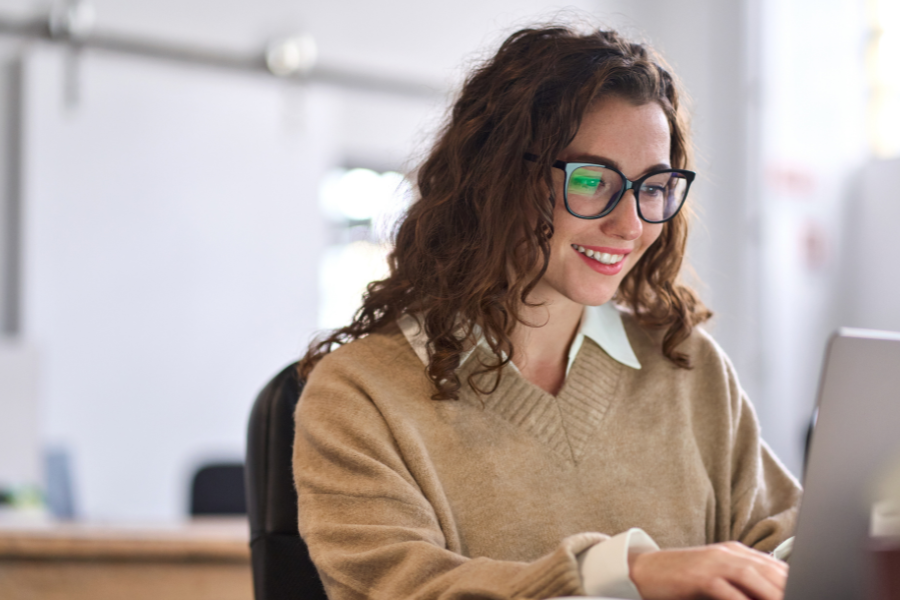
(604, 566)
(784, 550)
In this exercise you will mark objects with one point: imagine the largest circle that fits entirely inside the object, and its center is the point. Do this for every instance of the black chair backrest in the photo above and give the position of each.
(218, 489)
(282, 568)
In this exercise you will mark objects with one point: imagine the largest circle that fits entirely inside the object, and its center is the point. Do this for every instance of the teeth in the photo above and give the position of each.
(604, 257)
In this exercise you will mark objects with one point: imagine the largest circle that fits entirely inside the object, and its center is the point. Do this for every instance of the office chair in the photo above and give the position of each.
(282, 568)
(218, 489)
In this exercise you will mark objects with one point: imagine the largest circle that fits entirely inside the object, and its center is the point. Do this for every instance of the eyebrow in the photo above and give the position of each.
(608, 162)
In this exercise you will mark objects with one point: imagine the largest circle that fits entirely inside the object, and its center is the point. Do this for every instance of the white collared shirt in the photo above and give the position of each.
(604, 566)
(603, 324)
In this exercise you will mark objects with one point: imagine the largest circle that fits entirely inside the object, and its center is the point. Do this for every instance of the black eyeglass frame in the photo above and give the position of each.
(569, 167)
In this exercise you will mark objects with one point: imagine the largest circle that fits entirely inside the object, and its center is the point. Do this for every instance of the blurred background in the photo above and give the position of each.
(190, 189)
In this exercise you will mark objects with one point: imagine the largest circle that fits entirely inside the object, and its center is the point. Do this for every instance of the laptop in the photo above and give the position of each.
(855, 443)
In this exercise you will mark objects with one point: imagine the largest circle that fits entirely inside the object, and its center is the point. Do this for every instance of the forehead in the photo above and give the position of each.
(635, 136)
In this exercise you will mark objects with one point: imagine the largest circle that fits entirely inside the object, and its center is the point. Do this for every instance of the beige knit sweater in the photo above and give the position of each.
(493, 496)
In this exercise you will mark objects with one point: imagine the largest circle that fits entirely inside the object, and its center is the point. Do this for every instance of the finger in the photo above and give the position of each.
(776, 570)
(752, 571)
(777, 574)
(755, 584)
(773, 570)
(740, 547)
(721, 589)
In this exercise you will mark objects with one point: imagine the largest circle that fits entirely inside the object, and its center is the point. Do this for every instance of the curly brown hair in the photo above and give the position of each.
(476, 242)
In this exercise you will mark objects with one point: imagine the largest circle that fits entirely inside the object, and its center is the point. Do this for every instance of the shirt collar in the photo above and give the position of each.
(603, 324)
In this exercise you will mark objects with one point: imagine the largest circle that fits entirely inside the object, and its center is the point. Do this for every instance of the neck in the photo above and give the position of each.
(542, 342)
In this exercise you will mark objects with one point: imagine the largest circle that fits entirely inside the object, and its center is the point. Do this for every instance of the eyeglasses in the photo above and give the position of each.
(593, 191)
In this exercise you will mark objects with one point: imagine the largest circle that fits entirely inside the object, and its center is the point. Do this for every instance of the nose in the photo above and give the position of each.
(623, 222)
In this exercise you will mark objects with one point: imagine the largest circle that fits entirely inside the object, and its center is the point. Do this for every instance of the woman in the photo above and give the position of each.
(524, 407)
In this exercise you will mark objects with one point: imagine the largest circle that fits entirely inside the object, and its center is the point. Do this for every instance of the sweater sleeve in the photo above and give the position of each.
(765, 496)
(371, 530)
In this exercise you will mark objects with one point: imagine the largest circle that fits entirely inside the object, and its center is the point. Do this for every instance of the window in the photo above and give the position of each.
(363, 207)
(883, 65)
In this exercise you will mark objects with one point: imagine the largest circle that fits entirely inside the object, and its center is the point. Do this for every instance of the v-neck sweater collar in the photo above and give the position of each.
(602, 324)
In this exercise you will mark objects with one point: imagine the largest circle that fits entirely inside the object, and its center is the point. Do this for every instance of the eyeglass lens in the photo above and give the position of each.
(592, 190)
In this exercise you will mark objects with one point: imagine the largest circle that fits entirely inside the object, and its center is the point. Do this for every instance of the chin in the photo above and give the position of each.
(593, 297)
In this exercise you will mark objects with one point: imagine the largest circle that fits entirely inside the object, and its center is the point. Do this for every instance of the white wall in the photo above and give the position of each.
(870, 270)
(20, 441)
(813, 101)
(168, 241)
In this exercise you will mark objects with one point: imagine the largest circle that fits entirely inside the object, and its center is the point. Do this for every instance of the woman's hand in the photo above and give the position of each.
(728, 571)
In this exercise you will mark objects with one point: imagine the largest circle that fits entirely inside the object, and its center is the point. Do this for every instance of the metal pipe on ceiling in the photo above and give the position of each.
(223, 59)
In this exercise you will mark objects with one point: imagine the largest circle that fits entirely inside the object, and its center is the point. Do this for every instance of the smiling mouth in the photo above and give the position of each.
(602, 257)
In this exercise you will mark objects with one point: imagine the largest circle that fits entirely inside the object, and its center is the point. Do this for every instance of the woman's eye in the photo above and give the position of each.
(652, 191)
(584, 185)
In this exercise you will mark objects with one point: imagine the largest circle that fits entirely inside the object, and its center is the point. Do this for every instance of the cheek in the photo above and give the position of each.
(566, 228)
(649, 235)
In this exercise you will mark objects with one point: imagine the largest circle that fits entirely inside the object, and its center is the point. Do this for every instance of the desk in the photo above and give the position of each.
(194, 560)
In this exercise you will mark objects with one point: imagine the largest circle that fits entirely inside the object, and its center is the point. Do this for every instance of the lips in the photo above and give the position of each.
(607, 261)
(607, 256)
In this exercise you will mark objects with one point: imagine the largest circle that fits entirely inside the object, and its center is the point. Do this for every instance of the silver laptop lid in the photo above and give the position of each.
(857, 435)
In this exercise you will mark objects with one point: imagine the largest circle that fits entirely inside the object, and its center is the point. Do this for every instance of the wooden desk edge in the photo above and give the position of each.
(194, 543)
(163, 550)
